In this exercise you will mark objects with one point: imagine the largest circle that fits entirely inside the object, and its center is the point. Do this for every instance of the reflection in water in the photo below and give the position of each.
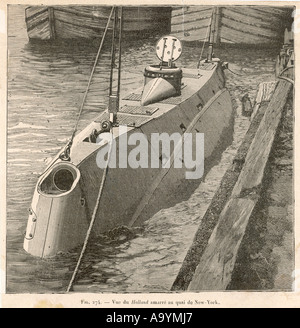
(46, 83)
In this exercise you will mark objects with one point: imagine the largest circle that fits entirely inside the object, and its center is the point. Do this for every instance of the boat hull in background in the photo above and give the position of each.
(88, 22)
(257, 25)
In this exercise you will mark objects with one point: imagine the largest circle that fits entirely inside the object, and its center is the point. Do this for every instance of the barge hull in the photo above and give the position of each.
(257, 25)
(88, 22)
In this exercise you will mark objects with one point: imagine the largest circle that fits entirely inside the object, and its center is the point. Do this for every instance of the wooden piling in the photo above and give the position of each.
(217, 262)
(210, 261)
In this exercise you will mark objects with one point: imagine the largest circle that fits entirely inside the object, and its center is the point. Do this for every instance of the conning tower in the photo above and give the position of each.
(163, 80)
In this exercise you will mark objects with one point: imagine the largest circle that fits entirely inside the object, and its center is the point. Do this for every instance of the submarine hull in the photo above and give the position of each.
(131, 195)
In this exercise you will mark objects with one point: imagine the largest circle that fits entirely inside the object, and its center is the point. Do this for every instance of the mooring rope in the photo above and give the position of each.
(285, 77)
(235, 72)
(87, 237)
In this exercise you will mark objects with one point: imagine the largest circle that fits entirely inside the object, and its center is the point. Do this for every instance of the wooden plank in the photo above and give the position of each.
(196, 19)
(269, 32)
(86, 11)
(238, 36)
(190, 10)
(42, 31)
(217, 262)
(190, 17)
(274, 11)
(216, 265)
(32, 12)
(142, 13)
(192, 35)
(81, 21)
(36, 19)
(192, 26)
(68, 31)
(243, 17)
(264, 93)
(259, 151)
(260, 12)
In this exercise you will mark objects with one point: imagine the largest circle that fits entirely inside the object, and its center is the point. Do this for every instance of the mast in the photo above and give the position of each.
(218, 15)
(120, 51)
(114, 92)
(210, 35)
(212, 32)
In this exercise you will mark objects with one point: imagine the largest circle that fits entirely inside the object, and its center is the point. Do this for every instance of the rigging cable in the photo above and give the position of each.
(104, 175)
(66, 153)
(206, 37)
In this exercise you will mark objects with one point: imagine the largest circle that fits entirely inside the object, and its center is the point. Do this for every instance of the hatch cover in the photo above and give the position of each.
(133, 97)
(138, 96)
(126, 119)
(191, 76)
(141, 110)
